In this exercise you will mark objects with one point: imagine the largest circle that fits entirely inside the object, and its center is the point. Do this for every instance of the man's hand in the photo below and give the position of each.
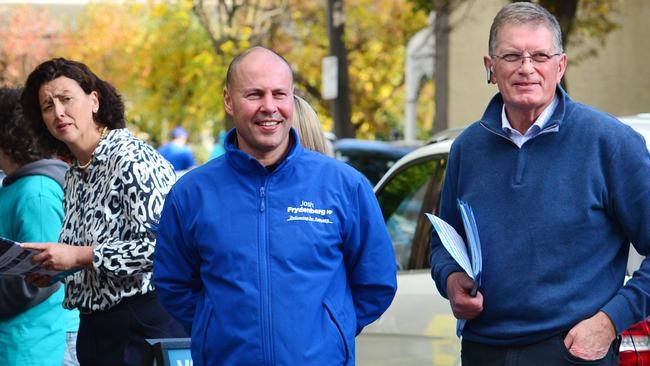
(591, 338)
(464, 306)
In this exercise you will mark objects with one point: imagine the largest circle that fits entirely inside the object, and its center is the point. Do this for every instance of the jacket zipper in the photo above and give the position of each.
(546, 129)
(265, 280)
(498, 134)
(521, 153)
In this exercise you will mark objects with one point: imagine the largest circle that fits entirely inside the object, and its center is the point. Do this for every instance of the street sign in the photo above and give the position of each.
(330, 73)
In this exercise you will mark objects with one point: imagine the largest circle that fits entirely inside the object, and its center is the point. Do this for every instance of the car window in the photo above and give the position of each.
(372, 167)
(370, 157)
(406, 196)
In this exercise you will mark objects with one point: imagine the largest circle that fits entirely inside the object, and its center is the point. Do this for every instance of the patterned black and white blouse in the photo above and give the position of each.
(112, 207)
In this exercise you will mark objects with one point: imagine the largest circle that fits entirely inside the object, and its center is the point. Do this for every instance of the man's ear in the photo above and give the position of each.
(489, 68)
(227, 101)
(562, 66)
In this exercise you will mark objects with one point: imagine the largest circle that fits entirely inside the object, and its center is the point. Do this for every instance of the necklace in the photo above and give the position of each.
(101, 137)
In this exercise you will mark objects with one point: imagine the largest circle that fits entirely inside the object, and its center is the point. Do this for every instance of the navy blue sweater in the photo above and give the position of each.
(555, 219)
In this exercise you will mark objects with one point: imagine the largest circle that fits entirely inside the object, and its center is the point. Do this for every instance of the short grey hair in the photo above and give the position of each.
(525, 13)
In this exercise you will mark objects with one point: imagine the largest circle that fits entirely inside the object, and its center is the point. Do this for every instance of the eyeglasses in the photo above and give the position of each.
(536, 58)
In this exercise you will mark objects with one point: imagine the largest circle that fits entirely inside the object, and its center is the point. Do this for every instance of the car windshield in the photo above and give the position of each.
(404, 199)
(372, 158)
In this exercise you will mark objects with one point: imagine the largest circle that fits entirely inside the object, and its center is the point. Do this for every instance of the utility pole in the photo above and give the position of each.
(340, 106)
(441, 77)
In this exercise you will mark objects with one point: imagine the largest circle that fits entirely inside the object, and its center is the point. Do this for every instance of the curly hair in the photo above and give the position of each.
(16, 140)
(111, 106)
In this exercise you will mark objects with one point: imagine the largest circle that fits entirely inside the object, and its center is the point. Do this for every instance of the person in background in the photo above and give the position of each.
(559, 190)
(307, 124)
(33, 324)
(273, 254)
(176, 151)
(114, 193)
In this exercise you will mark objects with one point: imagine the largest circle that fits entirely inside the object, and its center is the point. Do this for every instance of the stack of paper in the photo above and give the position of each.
(17, 261)
(474, 243)
(14, 260)
(457, 248)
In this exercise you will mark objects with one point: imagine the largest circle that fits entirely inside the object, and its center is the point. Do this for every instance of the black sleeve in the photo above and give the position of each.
(17, 296)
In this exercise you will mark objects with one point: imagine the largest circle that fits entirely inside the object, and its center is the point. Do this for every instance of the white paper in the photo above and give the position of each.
(15, 260)
(453, 242)
(456, 247)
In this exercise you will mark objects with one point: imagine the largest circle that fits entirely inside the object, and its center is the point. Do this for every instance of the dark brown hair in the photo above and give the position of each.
(16, 140)
(111, 106)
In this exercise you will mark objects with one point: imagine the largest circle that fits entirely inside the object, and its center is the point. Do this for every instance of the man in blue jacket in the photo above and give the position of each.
(176, 151)
(272, 254)
(559, 190)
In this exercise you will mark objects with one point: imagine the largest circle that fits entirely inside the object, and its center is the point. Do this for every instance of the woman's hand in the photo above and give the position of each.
(60, 257)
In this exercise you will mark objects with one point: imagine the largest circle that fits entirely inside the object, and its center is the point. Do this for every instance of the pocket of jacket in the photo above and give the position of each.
(201, 330)
(331, 312)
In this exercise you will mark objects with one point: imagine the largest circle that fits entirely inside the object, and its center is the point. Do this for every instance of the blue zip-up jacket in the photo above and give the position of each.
(273, 268)
(555, 219)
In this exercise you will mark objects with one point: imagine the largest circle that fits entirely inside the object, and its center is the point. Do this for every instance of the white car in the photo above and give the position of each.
(419, 328)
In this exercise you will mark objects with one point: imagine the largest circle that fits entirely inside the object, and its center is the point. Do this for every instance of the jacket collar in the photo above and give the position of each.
(491, 118)
(241, 160)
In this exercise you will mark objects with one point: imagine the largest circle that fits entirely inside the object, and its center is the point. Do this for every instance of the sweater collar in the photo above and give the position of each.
(492, 116)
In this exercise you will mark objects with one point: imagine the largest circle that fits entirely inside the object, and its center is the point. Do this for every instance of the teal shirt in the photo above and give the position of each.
(31, 210)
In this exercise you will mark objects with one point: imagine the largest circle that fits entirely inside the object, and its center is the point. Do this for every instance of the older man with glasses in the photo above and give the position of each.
(559, 190)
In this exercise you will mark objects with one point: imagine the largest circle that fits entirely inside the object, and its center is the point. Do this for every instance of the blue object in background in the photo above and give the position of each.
(167, 352)
(218, 148)
(181, 357)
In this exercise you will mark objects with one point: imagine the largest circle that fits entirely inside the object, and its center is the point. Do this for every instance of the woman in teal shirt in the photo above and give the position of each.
(33, 323)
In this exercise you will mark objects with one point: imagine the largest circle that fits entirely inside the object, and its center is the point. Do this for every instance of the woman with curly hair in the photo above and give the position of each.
(114, 193)
(33, 324)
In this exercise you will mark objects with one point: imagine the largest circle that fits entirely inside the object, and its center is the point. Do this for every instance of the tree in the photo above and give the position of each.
(29, 36)
(375, 37)
(158, 56)
(238, 24)
(169, 72)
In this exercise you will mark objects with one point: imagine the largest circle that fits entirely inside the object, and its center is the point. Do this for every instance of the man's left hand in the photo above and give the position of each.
(591, 338)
